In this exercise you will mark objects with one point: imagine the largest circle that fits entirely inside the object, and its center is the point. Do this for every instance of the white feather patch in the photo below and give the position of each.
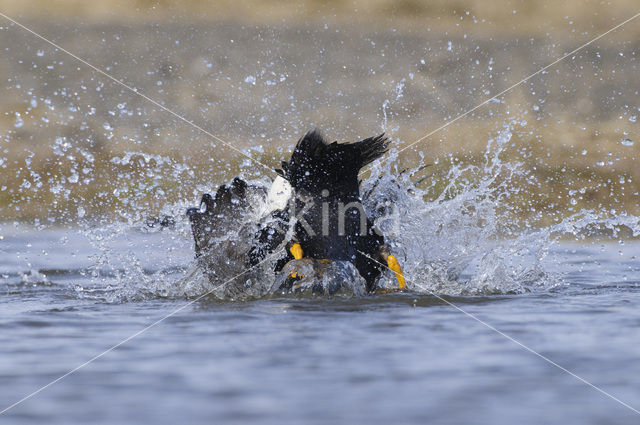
(279, 194)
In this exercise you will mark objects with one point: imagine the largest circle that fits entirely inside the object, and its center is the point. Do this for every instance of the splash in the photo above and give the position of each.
(457, 243)
(465, 240)
(454, 235)
(453, 244)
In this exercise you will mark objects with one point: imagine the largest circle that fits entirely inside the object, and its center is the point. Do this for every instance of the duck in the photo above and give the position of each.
(314, 208)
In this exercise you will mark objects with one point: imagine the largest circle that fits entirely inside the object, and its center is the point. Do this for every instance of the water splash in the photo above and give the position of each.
(454, 233)
(458, 243)
(460, 239)
(464, 240)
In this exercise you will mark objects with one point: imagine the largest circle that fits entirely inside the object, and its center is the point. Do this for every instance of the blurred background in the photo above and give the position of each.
(75, 145)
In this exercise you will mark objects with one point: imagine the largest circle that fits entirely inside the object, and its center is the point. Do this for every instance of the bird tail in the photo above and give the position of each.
(371, 149)
(313, 152)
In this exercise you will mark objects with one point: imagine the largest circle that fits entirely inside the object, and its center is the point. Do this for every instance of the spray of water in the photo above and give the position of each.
(456, 234)
(453, 235)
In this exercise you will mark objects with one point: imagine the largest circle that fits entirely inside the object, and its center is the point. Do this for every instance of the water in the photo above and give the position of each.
(405, 358)
(90, 272)
(238, 351)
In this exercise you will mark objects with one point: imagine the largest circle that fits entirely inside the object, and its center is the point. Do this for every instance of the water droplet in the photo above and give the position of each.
(19, 122)
(81, 212)
(40, 53)
(250, 79)
(626, 142)
(633, 118)
(584, 151)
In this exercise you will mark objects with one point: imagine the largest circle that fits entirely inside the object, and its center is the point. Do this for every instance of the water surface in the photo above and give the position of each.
(404, 358)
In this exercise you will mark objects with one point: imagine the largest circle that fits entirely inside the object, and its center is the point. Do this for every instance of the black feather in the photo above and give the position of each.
(316, 165)
(324, 177)
(326, 199)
